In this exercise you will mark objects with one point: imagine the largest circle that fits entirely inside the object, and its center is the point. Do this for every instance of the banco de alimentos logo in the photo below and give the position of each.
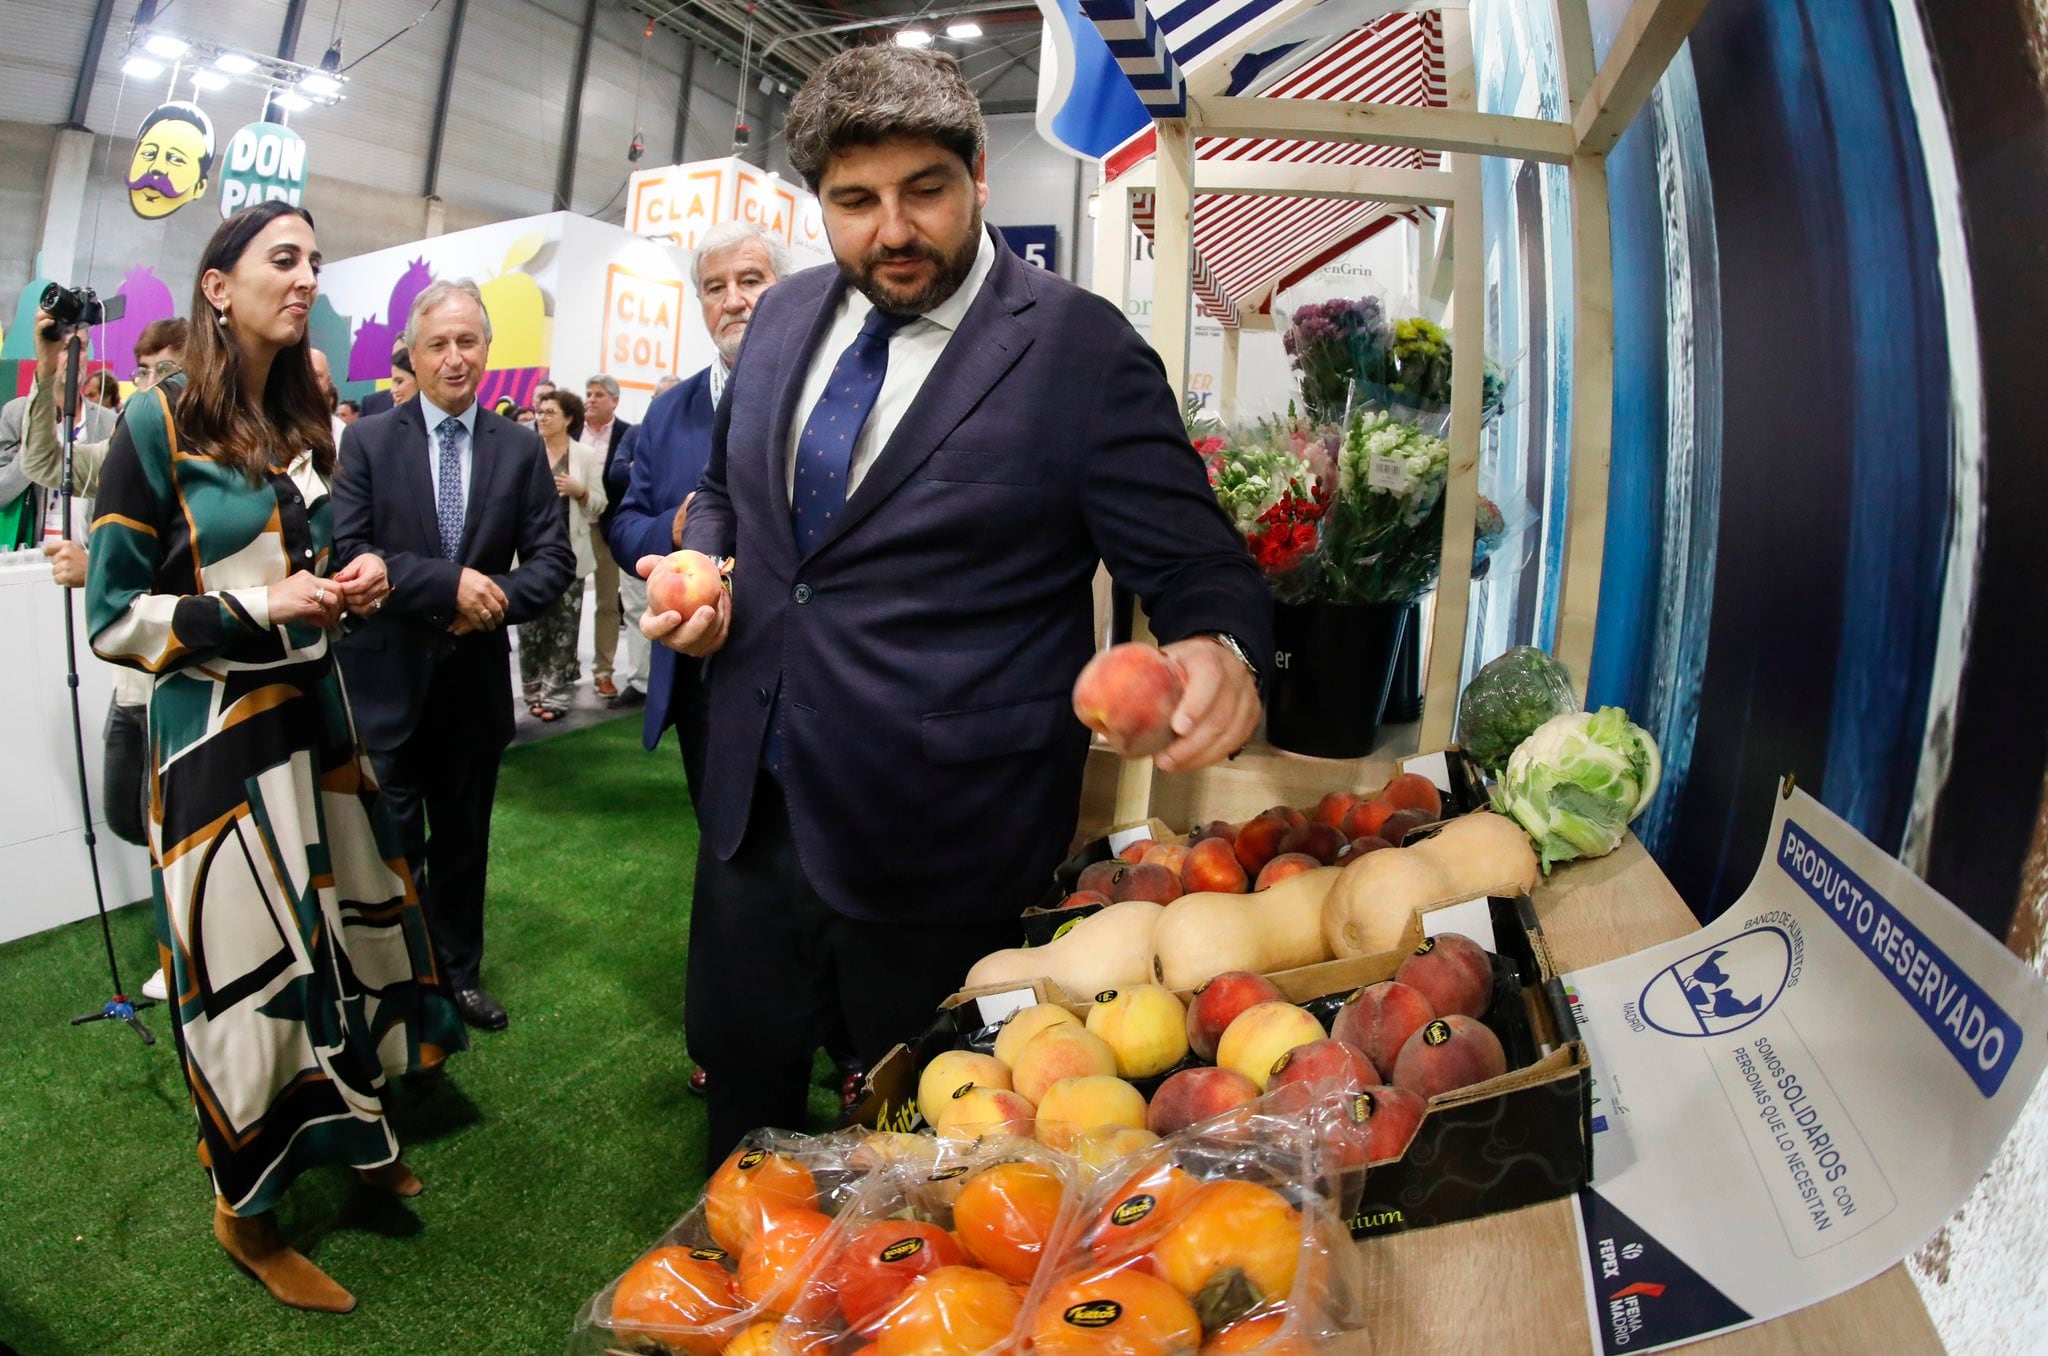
(1722, 988)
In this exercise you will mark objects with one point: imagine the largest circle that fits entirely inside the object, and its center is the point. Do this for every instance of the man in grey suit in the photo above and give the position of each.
(94, 424)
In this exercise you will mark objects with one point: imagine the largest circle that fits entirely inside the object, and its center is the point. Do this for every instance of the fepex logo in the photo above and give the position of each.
(1721, 989)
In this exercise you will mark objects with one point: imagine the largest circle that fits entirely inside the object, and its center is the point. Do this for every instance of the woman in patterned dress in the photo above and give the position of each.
(300, 968)
(547, 645)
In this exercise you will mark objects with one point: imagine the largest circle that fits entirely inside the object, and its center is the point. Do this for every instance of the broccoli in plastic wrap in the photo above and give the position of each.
(1507, 700)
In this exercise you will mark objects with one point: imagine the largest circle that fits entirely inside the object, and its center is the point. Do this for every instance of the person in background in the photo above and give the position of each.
(735, 263)
(326, 380)
(541, 388)
(347, 411)
(603, 433)
(667, 382)
(29, 515)
(450, 495)
(297, 949)
(103, 389)
(159, 351)
(921, 460)
(524, 416)
(404, 384)
(547, 644)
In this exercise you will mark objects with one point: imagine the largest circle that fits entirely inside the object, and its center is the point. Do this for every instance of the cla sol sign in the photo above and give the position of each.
(265, 162)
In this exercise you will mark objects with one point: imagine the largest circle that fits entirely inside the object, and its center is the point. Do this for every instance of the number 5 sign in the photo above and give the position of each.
(1034, 244)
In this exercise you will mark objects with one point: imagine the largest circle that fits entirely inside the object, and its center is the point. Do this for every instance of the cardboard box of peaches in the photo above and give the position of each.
(1470, 1091)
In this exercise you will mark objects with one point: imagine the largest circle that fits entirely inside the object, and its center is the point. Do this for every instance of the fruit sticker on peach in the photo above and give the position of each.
(1795, 1097)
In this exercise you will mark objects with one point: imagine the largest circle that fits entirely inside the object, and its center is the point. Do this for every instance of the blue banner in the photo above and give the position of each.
(1976, 1031)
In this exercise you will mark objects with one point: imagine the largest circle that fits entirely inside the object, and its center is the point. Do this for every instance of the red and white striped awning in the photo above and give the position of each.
(1244, 243)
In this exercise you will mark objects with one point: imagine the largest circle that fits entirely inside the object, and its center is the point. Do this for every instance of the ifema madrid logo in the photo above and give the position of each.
(1722, 988)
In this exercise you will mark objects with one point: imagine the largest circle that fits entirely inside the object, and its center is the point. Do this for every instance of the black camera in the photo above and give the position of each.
(71, 307)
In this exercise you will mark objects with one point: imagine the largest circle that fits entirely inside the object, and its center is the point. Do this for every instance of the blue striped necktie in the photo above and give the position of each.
(824, 454)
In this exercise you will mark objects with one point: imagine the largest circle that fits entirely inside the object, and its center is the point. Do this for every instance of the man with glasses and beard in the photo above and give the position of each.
(921, 459)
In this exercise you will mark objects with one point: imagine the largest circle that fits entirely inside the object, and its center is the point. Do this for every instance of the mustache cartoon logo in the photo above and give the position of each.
(151, 181)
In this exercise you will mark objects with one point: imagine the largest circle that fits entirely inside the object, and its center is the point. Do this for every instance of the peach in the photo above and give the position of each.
(1212, 866)
(1453, 972)
(1366, 843)
(1215, 828)
(1392, 1115)
(1398, 825)
(1098, 1149)
(1258, 842)
(1061, 1051)
(1262, 1033)
(1172, 856)
(1329, 1061)
(1074, 1107)
(1380, 1018)
(1145, 1025)
(1128, 694)
(1217, 1004)
(1134, 852)
(683, 582)
(1413, 791)
(1332, 808)
(1366, 817)
(978, 1112)
(1448, 1054)
(1195, 1095)
(1148, 881)
(1295, 818)
(1285, 865)
(1100, 877)
(1025, 1023)
(952, 1070)
(1319, 841)
(1082, 899)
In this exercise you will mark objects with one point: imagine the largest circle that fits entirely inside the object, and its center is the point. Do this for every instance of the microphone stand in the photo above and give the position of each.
(119, 1008)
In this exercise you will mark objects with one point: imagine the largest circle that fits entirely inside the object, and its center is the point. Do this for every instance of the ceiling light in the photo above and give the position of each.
(320, 86)
(913, 37)
(291, 100)
(209, 80)
(963, 30)
(142, 68)
(234, 63)
(165, 46)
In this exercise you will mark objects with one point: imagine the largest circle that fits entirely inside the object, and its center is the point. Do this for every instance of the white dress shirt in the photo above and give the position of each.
(720, 374)
(913, 352)
(465, 441)
(598, 440)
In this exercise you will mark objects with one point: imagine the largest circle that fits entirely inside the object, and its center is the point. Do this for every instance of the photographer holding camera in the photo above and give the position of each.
(27, 510)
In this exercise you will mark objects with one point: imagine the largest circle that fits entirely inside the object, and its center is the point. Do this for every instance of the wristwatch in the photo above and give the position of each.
(1229, 642)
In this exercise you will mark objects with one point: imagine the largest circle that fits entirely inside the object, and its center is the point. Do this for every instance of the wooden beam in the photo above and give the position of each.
(1445, 656)
(1211, 72)
(1288, 179)
(1443, 129)
(1109, 272)
(1575, 54)
(1592, 418)
(1226, 380)
(1650, 36)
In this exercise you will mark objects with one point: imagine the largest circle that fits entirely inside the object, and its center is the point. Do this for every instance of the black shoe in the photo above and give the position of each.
(628, 696)
(480, 1010)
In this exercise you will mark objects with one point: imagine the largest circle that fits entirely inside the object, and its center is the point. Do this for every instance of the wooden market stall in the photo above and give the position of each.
(1242, 194)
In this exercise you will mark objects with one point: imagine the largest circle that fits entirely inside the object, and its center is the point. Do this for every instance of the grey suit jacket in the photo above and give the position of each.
(14, 418)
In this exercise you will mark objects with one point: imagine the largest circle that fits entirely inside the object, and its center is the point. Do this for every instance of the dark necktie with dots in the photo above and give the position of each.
(448, 499)
(824, 453)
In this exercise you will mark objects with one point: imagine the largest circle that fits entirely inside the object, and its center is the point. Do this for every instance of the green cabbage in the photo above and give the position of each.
(1508, 700)
(1577, 782)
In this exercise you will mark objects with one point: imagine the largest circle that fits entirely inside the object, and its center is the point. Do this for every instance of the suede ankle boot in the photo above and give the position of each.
(393, 1177)
(258, 1246)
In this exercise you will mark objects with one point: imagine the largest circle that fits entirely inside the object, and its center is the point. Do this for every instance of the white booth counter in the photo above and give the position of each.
(45, 875)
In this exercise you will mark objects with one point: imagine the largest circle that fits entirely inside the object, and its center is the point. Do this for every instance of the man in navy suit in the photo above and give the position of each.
(450, 495)
(922, 457)
(736, 262)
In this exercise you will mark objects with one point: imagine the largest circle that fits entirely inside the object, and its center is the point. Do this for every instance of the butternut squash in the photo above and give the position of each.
(1367, 910)
(1111, 949)
(1202, 935)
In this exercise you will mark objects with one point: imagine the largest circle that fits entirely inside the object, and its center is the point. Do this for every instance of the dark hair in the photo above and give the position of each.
(210, 412)
(159, 335)
(185, 113)
(401, 358)
(350, 403)
(571, 406)
(867, 95)
(106, 387)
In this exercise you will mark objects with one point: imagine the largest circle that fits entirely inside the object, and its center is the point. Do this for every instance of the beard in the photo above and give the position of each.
(951, 270)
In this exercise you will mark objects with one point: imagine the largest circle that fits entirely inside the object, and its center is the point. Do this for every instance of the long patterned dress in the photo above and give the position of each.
(299, 963)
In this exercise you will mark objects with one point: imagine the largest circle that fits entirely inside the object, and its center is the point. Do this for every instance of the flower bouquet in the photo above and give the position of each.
(1339, 352)
(1268, 484)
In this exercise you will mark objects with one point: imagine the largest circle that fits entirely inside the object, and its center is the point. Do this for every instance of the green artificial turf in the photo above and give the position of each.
(553, 1152)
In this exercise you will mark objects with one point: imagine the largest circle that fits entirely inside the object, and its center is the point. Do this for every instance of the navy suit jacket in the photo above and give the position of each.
(670, 448)
(617, 449)
(376, 402)
(403, 658)
(925, 651)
